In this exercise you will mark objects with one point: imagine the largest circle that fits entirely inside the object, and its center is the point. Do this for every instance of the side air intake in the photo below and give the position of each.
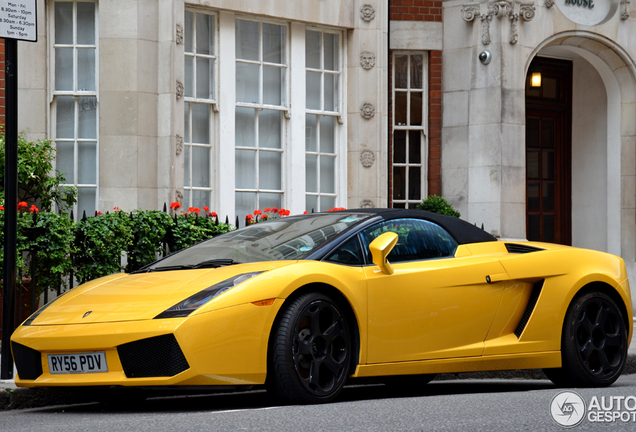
(27, 360)
(521, 249)
(158, 356)
(532, 302)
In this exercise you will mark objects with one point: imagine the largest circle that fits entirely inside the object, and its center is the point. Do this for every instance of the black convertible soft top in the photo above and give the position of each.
(461, 230)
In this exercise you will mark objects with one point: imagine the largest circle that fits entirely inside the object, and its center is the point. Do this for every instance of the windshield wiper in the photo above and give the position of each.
(214, 263)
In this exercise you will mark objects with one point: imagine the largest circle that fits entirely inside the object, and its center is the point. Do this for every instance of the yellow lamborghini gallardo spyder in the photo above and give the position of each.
(302, 304)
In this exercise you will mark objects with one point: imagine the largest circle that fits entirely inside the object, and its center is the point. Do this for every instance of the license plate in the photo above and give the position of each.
(77, 363)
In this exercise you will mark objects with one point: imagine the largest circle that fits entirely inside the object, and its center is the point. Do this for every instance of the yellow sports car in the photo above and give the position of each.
(303, 303)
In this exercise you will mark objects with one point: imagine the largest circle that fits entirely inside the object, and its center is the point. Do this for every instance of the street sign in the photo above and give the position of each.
(18, 20)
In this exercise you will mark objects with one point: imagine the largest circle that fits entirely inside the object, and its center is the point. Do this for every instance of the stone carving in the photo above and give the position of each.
(367, 60)
(549, 3)
(486, 10)
(367, 111)
(179, 144)
(367, 12)
(179, 196)
(367, 158)
(179, 34)
(624, 9)
(180, 89)
(366, 204)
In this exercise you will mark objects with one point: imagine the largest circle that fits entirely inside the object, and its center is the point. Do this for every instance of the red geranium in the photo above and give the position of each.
(22, 204)
(258, 212)
(34, 209)
(213, 214)
(175, 205)
(1, 207)
(116, 208)
(206, 209)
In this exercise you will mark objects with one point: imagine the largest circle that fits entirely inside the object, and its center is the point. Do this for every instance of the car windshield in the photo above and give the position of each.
(289, 238)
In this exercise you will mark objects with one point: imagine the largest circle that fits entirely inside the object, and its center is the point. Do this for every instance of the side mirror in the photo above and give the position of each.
(380, 249)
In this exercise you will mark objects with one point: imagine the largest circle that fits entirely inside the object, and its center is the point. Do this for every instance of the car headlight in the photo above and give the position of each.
(195, 301)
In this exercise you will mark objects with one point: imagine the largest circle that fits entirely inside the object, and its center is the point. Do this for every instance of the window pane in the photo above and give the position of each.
(415, 183)
(64, 23)
(331, 92)
(189, 74)
(86, 69)
(63, 68)
(247, 83)
(247, 40)
(87, 162)
(205, 34)
(65, 117)
(327, 202)
(416, 72)
(311, 203)
(245, 127)
(532, 164)
(201, 166)
(85, 23)
(204, 78)
(270, 200)
(311, 173)
(311, 132)
(273, 43)
(188, 31)
(532, 132)
(332, 52)
(399, 146)
(548, 228)
(65, 160)
(399, 183)
(400, 108)
(416, 109)
(548, 196)
(87, 117)
(327, 174)
(547, 133)
(273, 78)
(200, 199)
(313, 90)
(534, 227)
(547, 165)
(415, 146)
(201, 123)
(401, 72)
(312, 49)
(186, 166)
(245, 203)
(186, 122)
(245, 176)
(327, 134)
(533, 196)
(269, 129)
(86, 201)
(270, 170)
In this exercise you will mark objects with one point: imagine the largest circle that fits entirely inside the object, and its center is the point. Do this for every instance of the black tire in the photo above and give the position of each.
(310, 352)
(593, 343)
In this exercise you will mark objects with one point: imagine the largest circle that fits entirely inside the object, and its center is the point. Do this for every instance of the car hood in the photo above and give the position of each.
(138, 296)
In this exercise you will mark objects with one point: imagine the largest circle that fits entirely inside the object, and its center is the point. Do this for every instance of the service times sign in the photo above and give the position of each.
(18, 20)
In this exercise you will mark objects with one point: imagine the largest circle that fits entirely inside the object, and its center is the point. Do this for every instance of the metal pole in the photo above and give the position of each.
(10, 202)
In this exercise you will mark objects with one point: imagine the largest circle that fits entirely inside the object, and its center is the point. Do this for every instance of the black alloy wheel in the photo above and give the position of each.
(311, 351)
(594, 343)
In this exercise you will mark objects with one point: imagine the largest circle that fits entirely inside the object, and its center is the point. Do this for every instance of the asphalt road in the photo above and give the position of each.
(471, 405)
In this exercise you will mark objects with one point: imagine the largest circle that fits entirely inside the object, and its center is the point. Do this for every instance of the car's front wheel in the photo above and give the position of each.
(310, 350)
(593, 344)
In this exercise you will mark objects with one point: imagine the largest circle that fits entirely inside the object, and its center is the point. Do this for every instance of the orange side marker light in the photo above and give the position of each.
(267, 302)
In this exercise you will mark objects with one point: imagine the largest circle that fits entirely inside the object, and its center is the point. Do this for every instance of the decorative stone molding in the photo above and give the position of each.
(367, 60)
(366, 204)
(367, 158)
(367, 111)
(367, 12)
(179, 34)
(549, 3)
(486, 10)
(624, 9)
(180, 89)
(179, 196)
(179, 144)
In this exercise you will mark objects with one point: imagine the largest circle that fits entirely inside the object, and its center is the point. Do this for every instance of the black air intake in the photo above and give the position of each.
(521, 249)
(27, 360)
(532, 302)
(158, 356)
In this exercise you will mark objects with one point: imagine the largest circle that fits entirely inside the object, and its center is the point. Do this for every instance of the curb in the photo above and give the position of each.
(23, 398)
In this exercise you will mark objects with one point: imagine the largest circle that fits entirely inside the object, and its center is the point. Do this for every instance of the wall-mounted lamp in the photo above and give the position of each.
(535, 80)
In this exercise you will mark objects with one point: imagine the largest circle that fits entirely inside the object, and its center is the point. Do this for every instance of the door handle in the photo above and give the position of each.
(497, 277)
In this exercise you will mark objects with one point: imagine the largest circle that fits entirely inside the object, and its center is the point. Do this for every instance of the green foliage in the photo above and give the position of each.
(437, 204)
(38, 182)
(149, 229)
(190, 229)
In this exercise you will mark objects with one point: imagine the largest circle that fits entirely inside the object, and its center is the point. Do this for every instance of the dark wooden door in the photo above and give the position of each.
(549, 152)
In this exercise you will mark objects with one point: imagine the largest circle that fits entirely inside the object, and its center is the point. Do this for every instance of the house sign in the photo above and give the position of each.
(588, 12)
(18, 20)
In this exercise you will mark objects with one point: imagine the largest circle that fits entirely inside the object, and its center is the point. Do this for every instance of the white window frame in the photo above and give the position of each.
(53, 93)
(423, 164)
(213, 109)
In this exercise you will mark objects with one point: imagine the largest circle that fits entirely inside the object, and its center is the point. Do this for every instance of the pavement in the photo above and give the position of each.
(12, 397)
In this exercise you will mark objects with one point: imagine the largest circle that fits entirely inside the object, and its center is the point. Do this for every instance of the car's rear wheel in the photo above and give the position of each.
(311, 349)
(593, 344)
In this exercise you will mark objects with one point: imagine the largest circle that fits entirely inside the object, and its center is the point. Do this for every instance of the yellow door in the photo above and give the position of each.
(431, 309)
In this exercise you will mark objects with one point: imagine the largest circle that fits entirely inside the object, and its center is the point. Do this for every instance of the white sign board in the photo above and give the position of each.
(588, 12)
(18, 20)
